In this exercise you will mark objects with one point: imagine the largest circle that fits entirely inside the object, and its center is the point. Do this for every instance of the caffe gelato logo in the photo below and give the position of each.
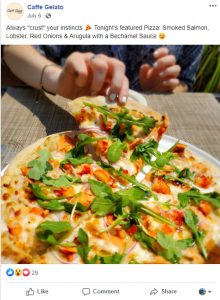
(15, 11)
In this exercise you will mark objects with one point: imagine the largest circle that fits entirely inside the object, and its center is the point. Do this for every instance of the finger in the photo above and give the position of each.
(117, 77)
(170, 84)
(123, 95)
(161, 52)
(99, 69)
(76, 64)
(143, 74)
(170, 72)
(165, 62)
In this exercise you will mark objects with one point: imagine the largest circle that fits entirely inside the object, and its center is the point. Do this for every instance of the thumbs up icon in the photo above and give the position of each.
(30, 292)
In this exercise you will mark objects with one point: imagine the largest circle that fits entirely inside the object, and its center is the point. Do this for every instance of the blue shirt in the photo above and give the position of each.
(188, 57)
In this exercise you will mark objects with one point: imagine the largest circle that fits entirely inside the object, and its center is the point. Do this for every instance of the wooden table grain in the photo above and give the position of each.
(28, 114)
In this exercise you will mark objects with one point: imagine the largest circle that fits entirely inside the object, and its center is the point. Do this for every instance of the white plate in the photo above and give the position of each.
(167, 141)
(137, 96)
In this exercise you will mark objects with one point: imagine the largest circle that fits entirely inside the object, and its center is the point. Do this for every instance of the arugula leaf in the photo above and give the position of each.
(145, 151)
(148, 150)
(37, 191)
(126, 134)
(123, 117)
(83, 247)
(115, 151)
(129, 178)
(196, 196)
(102, 206)
(50, 231)
(113, 259)
(145, 240)
(185, 173)
(54, 205)
(78, 151)
(163, 159)
(40, 165)
(156, 216)
(77, 161)
(99, 188)
(68, 207)
(123, 220)
(171, 248)
(192, 220)
(113, 203)
(83, 250)
(132, 194)
(62, 181)
(173, 178)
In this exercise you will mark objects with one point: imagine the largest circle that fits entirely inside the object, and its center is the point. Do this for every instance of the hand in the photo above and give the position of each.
(163, 76)
(86, 74)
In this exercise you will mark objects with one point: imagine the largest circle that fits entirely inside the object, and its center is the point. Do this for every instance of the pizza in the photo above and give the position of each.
(106, 194)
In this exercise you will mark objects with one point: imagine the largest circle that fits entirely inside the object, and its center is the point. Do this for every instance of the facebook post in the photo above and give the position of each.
(110, 161)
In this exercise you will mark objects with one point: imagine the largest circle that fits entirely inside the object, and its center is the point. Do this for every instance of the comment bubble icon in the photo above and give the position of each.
(86, 291)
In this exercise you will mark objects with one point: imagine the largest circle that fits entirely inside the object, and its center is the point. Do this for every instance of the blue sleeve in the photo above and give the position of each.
(52, 52)
(189, 61)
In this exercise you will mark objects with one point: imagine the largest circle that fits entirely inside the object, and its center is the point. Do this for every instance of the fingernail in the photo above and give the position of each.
(112, 97)
(166, 82)
(161, 74)
(156, 53)
(123, 99)
(155, 64)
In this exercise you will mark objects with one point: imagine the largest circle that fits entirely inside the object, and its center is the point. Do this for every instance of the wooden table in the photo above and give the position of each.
(28, 115)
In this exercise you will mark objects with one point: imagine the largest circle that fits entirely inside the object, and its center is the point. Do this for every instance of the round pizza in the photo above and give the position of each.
(105, 194)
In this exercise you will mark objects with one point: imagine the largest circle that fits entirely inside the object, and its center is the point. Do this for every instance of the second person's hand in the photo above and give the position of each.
(163, 75)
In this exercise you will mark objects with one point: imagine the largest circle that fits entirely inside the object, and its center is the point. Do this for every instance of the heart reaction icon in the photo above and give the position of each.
(26, 272)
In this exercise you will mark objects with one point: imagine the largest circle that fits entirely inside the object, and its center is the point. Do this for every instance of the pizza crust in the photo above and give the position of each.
(76, 105)
(31, 152)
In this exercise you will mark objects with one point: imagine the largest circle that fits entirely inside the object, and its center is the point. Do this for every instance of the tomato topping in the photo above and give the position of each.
(55, 163)
(205, 207)
(84, 115)
(167, 229)
(68, 168)
(65, 143)
(103, 176)
(67, 250)
(59, 193)
(179, 149)
(135, 143)
(15, 230)
(86, 169)
(160, 186)
(106, 127)
(102, 146)
(68, 191)
(38, 211)
(176, 216)
(86, 198)
(203, 181)
(125, 172)
(161, 130)
(24, 171)
(5, 196)
(132, 229)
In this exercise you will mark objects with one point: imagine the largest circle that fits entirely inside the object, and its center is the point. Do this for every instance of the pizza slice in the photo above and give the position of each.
(124, 128)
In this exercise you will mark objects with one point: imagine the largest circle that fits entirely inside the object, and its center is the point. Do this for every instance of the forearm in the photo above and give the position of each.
(27, 64)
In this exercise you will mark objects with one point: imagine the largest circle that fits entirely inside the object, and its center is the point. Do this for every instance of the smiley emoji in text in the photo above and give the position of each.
(162, 35)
